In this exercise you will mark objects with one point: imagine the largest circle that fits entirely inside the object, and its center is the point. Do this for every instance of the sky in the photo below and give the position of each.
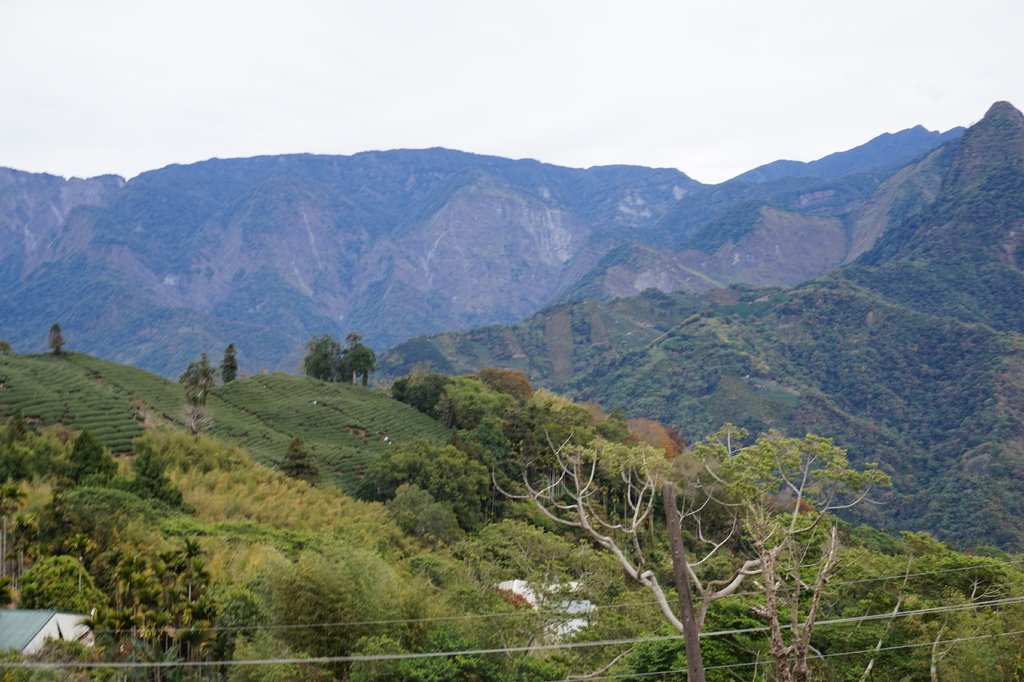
(712, 88)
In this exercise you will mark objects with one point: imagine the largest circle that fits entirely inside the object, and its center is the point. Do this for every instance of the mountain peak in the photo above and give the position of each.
(993, 144)
(1005, 111)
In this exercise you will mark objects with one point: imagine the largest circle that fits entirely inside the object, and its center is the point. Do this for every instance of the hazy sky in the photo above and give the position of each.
(713, 87)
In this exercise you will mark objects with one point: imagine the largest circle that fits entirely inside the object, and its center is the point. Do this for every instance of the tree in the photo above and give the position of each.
(151, 478)
(356, 586)
(198, 381)
(323, 358)
(55, 340)
(197, 418)
(229, 365)
(5, 348)
(778, 492)
(60, 583)
(422, 389)
(361, 358)
(782, 492)
(11, 497)
(571, 496)
(445, 472)
(418, 514)
(89, 458)
(298, 463)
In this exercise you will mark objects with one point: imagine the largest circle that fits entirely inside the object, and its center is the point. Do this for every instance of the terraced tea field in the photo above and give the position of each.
(70, 390)
(346, 427)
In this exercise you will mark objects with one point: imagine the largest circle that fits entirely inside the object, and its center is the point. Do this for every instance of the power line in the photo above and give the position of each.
(1000, 563)
(507, 614)
(393, 621)
(365, 658)
(872, 650)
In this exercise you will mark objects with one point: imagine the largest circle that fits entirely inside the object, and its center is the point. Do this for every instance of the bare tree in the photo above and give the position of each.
(776, 496)
(197, 417)
(571, 495)
(783, 492)
(198, 381)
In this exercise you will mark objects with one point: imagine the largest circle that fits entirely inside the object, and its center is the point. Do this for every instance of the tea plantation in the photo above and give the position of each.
(345, 427)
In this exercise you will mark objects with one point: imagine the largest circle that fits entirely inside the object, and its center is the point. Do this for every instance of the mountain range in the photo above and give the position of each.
(265, 252)
(910, 354)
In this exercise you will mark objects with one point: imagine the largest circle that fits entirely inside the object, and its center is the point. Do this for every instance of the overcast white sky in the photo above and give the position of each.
(713, 87)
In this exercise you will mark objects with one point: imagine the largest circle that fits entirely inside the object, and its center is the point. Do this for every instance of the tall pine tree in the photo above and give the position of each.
(298, 463)
(229, 365)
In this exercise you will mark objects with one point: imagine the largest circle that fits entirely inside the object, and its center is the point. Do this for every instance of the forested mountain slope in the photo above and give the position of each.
(911, 357)
(267, 251)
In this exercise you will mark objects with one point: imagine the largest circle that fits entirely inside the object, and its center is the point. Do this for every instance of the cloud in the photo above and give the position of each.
(710, 88)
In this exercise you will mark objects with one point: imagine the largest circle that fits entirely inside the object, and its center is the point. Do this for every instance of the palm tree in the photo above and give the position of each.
(26, 539)
(11, 497)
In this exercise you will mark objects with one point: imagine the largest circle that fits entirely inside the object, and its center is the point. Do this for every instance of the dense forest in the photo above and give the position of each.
(195, 561)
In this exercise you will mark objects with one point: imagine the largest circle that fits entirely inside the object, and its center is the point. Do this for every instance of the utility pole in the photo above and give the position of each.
(694, 661)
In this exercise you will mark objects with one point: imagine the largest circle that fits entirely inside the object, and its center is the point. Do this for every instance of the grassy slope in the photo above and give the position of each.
(344, 428)
(593, 332)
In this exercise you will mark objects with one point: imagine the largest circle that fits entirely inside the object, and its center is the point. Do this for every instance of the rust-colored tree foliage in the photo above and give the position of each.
(507, 381)
(657, 435)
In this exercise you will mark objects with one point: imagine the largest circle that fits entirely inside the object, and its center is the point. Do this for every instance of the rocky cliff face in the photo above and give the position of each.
(35, 209)
(267, 251)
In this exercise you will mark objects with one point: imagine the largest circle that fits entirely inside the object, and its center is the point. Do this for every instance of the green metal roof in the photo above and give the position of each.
(18, 627)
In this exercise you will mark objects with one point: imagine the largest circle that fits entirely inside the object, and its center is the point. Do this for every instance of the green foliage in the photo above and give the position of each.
(323, 358)
(432, 669)
(731, 227)
(422, 390)
(445, 472)
(264, 647)
(26, 454)
(198, 380)
(106, 515)
(60, 583)
(5, 348)
(811, 467)
(355, 586)
(151, 478)
(55, 339)
(229, 365)
(89, 458)
(328, 361)
(240, 614)
(359, 357)
(15, 430)
(466, 402)
(418, 514)
(299, 464)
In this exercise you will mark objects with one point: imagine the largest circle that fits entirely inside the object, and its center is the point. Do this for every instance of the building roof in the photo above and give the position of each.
(18, 627)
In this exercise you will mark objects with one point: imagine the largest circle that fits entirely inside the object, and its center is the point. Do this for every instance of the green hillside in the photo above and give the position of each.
(911, 357)
(555, 344)
(343, 425)
(198, 563)
(347, 427)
